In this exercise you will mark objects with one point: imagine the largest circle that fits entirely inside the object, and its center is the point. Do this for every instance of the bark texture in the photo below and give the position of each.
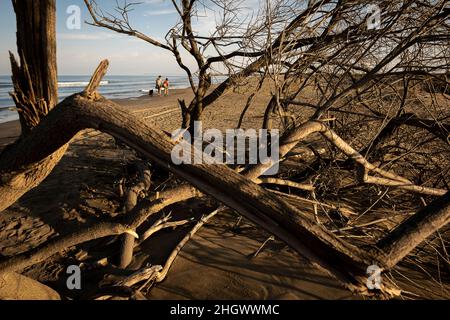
(35, 90)
(344, 261)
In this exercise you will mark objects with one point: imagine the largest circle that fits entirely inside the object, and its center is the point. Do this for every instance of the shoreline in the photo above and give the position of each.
(10, 130)
(132, 102)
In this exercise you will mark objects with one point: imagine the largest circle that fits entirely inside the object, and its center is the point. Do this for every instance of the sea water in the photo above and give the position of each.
(112, 87)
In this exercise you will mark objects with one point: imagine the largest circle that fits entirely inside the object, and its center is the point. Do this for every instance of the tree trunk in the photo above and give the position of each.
(35, 81)
(35, 90)
(190, 115)
(185, 114)
(143, 185)
(196, 115)
(414, 230)
(346, 262)
(35, 95)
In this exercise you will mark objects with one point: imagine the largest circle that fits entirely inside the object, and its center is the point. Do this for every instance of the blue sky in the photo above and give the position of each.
(80, 51)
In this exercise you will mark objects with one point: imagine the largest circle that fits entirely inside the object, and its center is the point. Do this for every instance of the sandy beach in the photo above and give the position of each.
(227, 153)
(82, 190)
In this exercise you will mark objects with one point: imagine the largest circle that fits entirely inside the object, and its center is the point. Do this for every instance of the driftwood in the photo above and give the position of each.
(162, 224)
(344, 261)
(78, 112)
(47, 129)
(387, 178)
(35, 81)
(161, 275)
(14, 286)
(415, 230)
(35, 91)
(120, 226)
(149, 273)
(281, 182)
(142, 186)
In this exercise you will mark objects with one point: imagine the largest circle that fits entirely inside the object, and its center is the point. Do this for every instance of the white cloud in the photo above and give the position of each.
(154, 1)
(127, 60)
(160, 12)
(88, 36)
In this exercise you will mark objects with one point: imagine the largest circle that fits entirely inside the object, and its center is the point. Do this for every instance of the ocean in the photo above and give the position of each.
(112, 87)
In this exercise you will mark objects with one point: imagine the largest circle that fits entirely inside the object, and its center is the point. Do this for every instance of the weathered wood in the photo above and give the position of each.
(35, 90)
(148, 273)
(162, 224)
(143, 185)
(97, 77)
(35, 81)
(290, 140)
(42, 252)
(415, 230)
(346, 262)
(281, 182)
(121, 225)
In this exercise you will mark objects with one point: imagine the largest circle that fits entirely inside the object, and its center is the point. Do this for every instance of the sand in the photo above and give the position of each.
(217, 264)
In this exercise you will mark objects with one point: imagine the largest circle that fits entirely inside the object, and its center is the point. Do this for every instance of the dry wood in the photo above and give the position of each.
(35, 90)
(161, 276)
(35, 81)
(281, 182)
(142, 186)
(122, 225)
(96, 78)
(302, 132)
(15, 183)
(408, 235)
(162, 224)
(148, 273)
(287, 223)
(279, 218)
(293, 56)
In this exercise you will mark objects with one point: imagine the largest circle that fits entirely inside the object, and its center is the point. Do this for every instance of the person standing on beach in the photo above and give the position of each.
(159, 85)
(166, 87)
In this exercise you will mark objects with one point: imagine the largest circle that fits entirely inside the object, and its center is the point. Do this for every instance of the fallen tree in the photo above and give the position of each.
(47, 130)
(344, 261)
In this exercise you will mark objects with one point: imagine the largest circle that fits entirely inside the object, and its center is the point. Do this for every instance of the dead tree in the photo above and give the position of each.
(183, 38)
(35, 89)
(35, 95)
(45, 142)
(87, 110)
